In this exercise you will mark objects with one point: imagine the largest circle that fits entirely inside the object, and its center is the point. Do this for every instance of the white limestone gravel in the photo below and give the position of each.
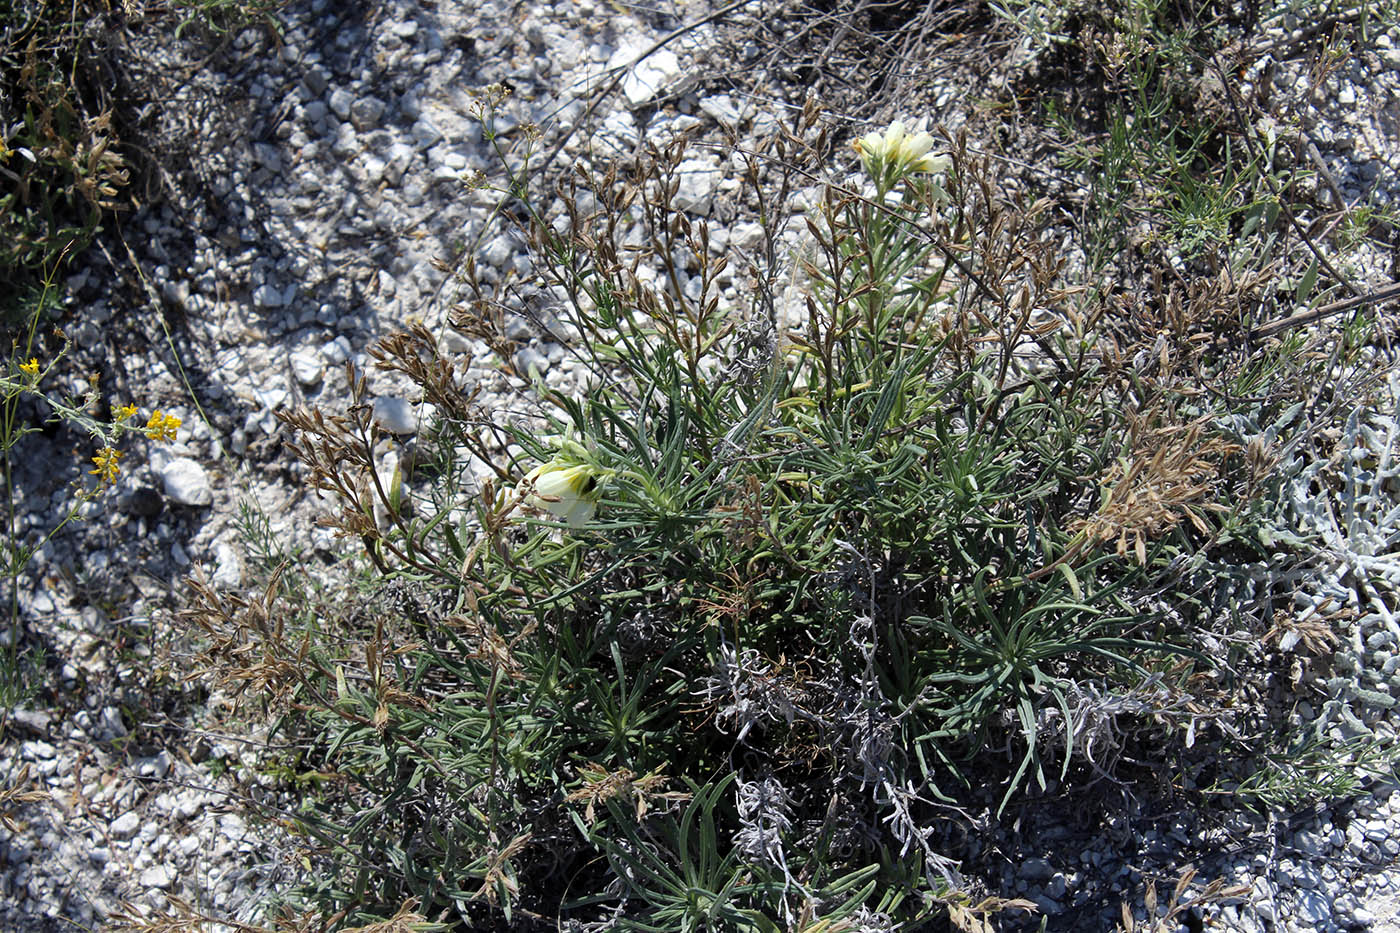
(308, 227)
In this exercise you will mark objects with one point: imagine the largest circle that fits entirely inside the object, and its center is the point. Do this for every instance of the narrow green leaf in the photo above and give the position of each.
(1073, 581)
(1306, 283)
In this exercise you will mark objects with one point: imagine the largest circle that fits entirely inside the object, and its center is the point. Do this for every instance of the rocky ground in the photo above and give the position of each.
(314, 180)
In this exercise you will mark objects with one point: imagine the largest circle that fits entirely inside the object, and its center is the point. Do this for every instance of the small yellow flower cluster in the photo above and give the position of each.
(162, 427)
(107, 468)
(159, 427)
(30, 369)
(890, 156)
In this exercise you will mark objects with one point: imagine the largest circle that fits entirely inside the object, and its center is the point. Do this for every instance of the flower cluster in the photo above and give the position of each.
(159, 427)
(162, 427)
(30, 369)
(889, 156)
(107, 468)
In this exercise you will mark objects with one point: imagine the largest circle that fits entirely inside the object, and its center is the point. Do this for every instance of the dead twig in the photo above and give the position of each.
(1303, 318)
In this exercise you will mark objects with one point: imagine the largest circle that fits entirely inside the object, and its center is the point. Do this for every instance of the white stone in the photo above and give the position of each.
(307, 366)
(157, 876)
(267, 296)
(698, 180)
(1314, 907)
(186, 482)
(399, 158)
(395, 415)
(375, 167)
(746, 235)
(620, 127)
(454, 342)
(499, 251)
(365, 113)
(529, 361)
(126, 825)
(228, 566)
(340, 102)
(111, 722)
(336, 351)
(721, 107)
(648, 77)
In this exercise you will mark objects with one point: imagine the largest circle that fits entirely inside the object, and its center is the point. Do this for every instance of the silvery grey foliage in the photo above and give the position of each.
(871, 737)
(856, 717)
(1094, 732)
(749, 690)
(755, 345)
(765, 814)
(866, 920)
(1340, 507)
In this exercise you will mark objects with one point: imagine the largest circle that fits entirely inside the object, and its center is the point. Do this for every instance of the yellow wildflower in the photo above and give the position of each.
(107, 468)
(567, 490)
(161, 427)
(31, 368)
(126, 412)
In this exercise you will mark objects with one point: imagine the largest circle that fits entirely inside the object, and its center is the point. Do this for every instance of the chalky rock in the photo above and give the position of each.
(365, 113)
(156, 877)
(655, 74)
(126, 825)
(307, 366)
(698, 180)
(228, 566)
(267, 296)
(186, 482)
(395, 415)
(341, 100)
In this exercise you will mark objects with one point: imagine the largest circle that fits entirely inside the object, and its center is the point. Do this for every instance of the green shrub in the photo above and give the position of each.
(721, 637)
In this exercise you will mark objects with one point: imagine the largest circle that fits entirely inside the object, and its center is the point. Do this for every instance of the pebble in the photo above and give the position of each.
(111, 724)
(1036, 870)
(645, 79)
(316, 80)
(308, 366)
(395, 415)
(530, 362)
(365, 113)
(126, 825)
(1314, 907)
(340, 102)
(337, 351)
(698, 180)
(187, 482)
(722, 109)
(157, 876)
(267, 296)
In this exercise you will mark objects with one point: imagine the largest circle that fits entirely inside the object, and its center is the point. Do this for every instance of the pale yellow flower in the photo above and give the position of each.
(568, 491)
(126, 412)
(896, 153)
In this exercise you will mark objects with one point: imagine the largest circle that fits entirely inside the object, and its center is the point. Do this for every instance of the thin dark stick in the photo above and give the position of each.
(1316, 314)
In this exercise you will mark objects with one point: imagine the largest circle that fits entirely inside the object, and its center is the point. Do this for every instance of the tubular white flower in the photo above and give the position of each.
(569, 491)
